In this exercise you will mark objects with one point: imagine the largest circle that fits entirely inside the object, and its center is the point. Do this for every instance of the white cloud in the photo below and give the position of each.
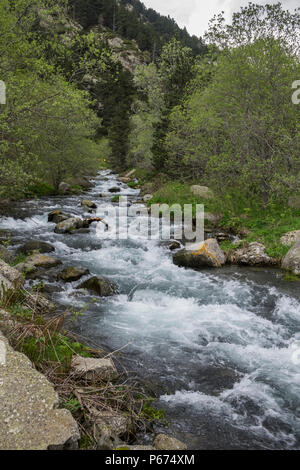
(195, 14)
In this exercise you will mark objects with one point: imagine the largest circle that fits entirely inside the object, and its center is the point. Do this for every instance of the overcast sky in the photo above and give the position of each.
(195, 14)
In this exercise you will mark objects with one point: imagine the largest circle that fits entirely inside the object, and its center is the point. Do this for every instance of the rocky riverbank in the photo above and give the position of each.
(61, 376)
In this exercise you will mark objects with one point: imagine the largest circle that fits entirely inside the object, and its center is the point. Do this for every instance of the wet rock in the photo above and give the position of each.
(69, 225)
(102, 195)
(64, 188)
(71, 274)
(109, 426)
(88, 204)
(82, 231)
(291, 261)
(93, 368)
(252, 255)
(290, 238)
(202, 192)
(100, 286)
(199, 255)
(84, 182)
(115, 189)
(29, 414)
(147, 197)
(10, 279)
(164, 442)
(58, 216)
(34, 245)
(42, 261)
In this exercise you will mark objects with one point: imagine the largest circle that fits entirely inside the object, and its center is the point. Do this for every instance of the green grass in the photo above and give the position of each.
(239, 213)
(41, 189)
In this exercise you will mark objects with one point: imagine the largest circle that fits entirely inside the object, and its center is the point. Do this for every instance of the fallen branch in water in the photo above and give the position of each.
(95, 219)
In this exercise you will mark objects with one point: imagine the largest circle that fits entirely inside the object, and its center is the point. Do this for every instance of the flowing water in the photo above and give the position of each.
(220, 348)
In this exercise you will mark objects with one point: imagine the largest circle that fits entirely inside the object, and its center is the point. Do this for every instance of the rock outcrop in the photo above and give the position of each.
(29, 414)
(64, 188)
(290, 238)
(291, 262)
(42, 261)
(199, 255)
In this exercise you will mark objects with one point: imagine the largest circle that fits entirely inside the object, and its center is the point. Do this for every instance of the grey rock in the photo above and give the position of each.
(10, 279)
(202, 192)
(93, 368)
(64, 188)
(35, 245)
(29, 414)
(69, 225)
(290, 238)
(291, 261)
(58, 216)
(252, 255)
(42, 261)
(88, 204)
(71, 273)
(100, 286)
(164, 442)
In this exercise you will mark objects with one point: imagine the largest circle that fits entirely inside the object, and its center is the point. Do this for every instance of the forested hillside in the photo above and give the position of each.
(80, 90)
(132, 20)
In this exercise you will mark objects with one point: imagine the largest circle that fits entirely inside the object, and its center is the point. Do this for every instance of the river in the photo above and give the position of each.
(218, 347)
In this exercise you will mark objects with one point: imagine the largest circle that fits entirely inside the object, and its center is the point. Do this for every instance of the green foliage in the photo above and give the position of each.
(72, 405)
(40, 189)
(151, 413)
(289, 277)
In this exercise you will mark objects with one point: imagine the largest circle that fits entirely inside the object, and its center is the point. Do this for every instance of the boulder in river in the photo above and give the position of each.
(164, 442)
(253, 254)
(291, 261)
(58, 216)
(69, 225)
(71, 274)
(100, 286)
(202, 191)
(94, 368)
(204, 254)
(35, 245)
(88, 204)
(42, 261)
(115, 189)
(64, 188)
